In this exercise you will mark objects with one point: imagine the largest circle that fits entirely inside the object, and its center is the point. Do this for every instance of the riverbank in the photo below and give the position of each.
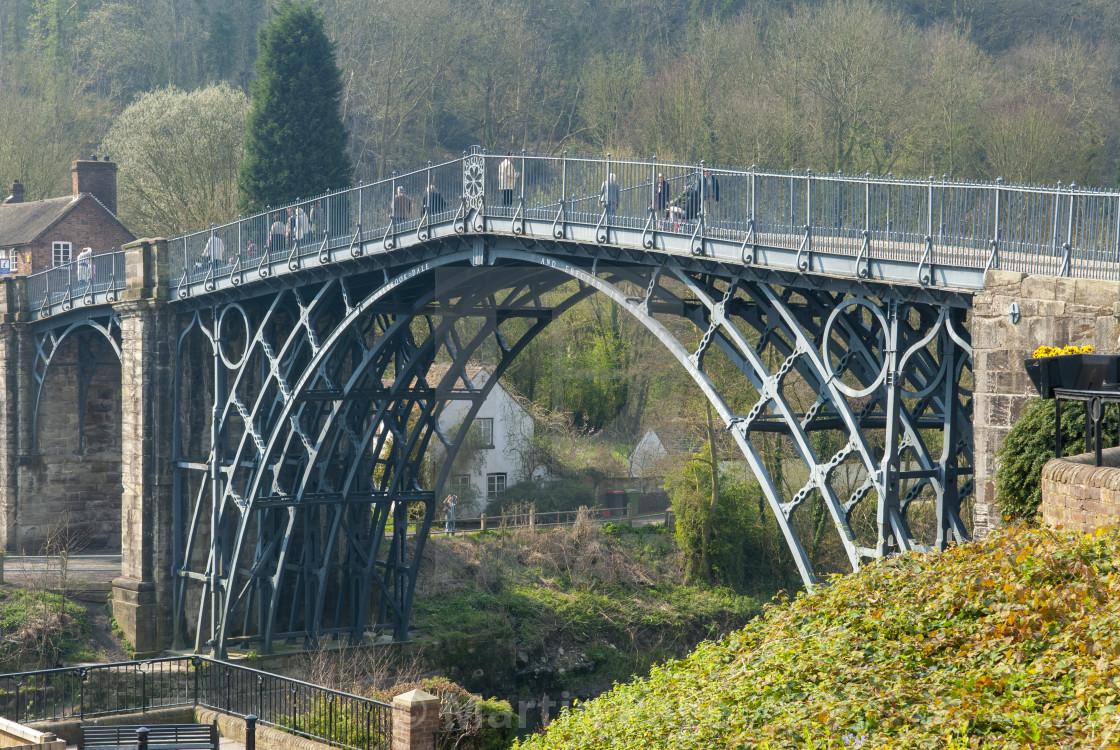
(563, 613)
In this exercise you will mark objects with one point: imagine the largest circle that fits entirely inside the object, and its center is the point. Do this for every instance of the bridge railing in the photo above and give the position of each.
(301, 708)
(98, 278)
(1062, 231)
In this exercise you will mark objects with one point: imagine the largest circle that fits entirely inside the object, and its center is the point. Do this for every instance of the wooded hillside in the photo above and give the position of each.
(1023, 89)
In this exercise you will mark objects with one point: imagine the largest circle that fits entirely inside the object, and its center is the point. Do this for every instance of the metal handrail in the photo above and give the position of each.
(1060, 230)
(302, 708)
(1045, 230)
(89, 281)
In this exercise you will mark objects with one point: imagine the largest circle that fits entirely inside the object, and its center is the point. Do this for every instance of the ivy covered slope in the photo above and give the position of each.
(1012, 642)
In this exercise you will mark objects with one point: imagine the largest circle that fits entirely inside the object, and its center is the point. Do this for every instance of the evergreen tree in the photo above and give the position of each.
(295, 142)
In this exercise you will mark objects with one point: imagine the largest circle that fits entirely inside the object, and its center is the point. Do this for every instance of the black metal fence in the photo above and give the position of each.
(298, 707)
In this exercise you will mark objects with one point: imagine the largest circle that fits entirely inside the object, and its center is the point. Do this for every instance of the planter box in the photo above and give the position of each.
(1083, 372)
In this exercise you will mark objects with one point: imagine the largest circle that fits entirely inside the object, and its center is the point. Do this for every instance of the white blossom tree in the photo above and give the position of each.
(178, 155)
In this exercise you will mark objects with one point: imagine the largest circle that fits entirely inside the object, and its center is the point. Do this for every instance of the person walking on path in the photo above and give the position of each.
(609, 195)
(449, 513)
(507, 180)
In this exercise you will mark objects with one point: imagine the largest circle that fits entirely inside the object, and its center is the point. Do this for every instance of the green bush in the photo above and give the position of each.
(563, 494)
(1029, 445)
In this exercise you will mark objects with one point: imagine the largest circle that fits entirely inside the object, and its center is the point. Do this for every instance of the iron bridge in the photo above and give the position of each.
(311, 368)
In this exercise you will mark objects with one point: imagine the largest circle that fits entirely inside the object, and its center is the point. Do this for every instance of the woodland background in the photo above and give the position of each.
(1023, 89)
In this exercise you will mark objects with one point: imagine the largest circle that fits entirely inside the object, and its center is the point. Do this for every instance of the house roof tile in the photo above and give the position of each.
(21, 223)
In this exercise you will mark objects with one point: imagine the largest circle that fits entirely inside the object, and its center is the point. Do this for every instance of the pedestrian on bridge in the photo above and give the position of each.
(507, 180)
(318, 220)
(661, 195)
(277, 235)
(85, 266)
(711, 195)
(298, 226)
(433, 202)
(402, 206)
(215, 251)
(608, 196)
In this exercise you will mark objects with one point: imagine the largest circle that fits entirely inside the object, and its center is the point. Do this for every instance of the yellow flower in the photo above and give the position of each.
(1053, 351)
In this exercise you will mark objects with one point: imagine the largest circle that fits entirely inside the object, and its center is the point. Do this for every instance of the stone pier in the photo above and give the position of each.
(1050, 311)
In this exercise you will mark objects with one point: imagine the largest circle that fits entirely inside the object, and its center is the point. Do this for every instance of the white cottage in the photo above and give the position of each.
(504, 426)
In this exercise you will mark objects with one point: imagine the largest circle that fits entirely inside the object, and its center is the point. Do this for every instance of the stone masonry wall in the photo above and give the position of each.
(75, 492)
(1055, 312)
(1078, 495)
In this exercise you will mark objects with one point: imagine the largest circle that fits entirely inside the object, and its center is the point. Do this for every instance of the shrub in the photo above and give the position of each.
(563, 494)
(1029, 445)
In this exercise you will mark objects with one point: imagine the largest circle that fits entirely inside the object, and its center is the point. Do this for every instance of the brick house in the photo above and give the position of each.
(41, 234)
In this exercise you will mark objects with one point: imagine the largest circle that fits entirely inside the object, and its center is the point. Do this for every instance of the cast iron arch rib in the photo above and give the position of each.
(320, 429)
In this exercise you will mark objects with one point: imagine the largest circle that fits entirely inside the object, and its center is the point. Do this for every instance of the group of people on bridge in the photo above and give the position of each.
(294, 231)
(701, 190)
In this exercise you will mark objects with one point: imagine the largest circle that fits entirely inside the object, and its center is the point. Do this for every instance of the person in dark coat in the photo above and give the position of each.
(433, 201)
(661, 195)
(711, 195)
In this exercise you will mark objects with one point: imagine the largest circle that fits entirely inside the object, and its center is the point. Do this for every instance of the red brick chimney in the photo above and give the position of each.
(98, 178)
(16, 196)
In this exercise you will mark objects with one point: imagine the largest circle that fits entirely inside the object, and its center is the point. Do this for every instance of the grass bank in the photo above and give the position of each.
(1009, 643)
(39, 630)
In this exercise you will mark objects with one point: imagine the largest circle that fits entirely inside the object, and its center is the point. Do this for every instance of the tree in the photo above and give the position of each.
(295, 142)
(395, 54)
(178, 154)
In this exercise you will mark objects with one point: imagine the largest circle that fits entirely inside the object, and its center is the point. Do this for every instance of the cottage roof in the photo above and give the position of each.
(438, 371)
(21, 223)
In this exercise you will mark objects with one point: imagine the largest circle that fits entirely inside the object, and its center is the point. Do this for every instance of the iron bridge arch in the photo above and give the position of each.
(301, 502)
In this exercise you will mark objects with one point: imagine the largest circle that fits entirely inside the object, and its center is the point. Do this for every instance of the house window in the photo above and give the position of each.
(60, 253)
(461, 484)
(486, 431)
(495, 485)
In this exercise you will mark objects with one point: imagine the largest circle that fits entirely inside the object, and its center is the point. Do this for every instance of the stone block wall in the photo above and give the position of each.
(1053, 311)
(73, 492)
(1078, 495)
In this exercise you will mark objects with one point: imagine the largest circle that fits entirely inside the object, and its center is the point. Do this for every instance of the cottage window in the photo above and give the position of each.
(60, 253)
(495, 485)
(486, 431)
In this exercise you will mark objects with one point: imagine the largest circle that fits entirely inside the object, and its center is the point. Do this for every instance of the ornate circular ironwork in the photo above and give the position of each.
(474, 181)
(826, 354)
(230, 338)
